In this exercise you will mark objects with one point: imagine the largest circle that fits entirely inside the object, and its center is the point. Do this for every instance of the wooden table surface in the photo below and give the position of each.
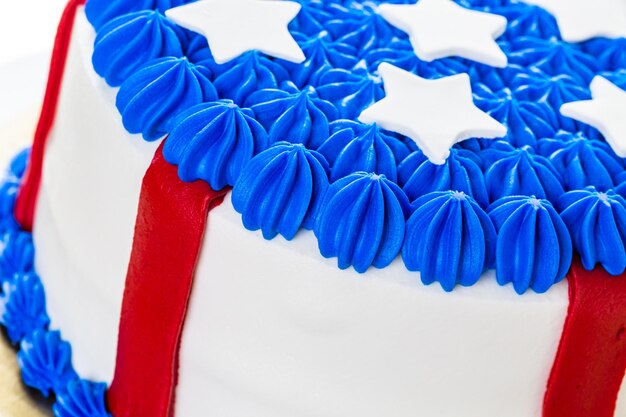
(15, 399)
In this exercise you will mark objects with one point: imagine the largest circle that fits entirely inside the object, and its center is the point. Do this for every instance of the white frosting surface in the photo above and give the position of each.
(86, 212)
(273, 328)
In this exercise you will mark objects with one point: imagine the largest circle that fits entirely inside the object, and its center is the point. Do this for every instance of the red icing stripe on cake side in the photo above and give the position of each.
(591, 360)
(29, 191)
(170, 227)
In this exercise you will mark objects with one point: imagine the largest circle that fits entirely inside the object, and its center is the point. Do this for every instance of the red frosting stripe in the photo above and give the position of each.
(170, 226)
(591, 360)
(29, 191)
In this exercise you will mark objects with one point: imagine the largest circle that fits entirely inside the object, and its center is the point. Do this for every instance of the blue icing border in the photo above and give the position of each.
(218, 131)
(312, 104)
(534, 248)
(43, 356)
(449, 239)
(362, 221)
(126, 43)
(281, 190)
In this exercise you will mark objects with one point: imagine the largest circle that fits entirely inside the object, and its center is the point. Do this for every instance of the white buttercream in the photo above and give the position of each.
(273, 328)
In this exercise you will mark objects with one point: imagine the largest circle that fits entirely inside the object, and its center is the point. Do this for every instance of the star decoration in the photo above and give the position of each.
(580, 20)
(442, 28)
(233, 27)
(436, 114)
(605, 112)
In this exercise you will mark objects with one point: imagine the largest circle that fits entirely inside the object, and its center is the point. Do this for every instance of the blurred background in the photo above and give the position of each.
(27, 29)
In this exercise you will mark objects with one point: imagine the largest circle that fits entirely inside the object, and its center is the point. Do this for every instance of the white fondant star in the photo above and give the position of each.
(436, 114)
(442, 28)
(606, 112)
(580, 20)
(233, 27)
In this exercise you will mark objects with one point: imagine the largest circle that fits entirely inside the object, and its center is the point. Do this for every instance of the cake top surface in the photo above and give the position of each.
(462, 135)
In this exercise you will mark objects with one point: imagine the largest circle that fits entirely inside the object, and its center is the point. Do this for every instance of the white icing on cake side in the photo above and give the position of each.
(273, 328)
(86, 212)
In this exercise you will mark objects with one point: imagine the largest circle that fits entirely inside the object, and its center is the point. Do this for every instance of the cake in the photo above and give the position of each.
(255, 208)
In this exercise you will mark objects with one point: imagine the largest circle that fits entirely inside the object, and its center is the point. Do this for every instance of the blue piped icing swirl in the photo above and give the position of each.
(322, 54)
(312, 18)
(485, 5)
(355, 147)
(126, 43)
(610, 54)
(534, 248)
(151, 98)
(521, 172)
(527, 20)
(99, 12)
(23, 306)
(8, 192)
(17, 167)
(362, 221)
(17, 254)
(597, 223)
(291, 115)
(583, 162)
(536, 86)
(527, 121)
(350, 91)
(616, 77)
(281, 190)
(401, 54)
(418, 176)
(449, 239)
(81, 399)
(554, 57)
(556, 90)
(46, 362)
(213, 142)
(244, 75)
(365, 31)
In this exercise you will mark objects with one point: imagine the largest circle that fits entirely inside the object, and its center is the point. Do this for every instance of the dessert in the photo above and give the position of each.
(324, 209)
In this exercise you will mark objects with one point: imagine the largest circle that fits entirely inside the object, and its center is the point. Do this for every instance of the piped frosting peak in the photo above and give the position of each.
(351, 91)
(281, 190)
(82, 399)
(126, 43)
(418, 176)
(449, 239)
(151, 98)
(597, 223)
(46, 362)
(213, 142)
(239, 78)
(534, 248)
(293, 115)
(521, 172)
(100, 12)
(583, 162)
(362, 221)
(355, 147)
